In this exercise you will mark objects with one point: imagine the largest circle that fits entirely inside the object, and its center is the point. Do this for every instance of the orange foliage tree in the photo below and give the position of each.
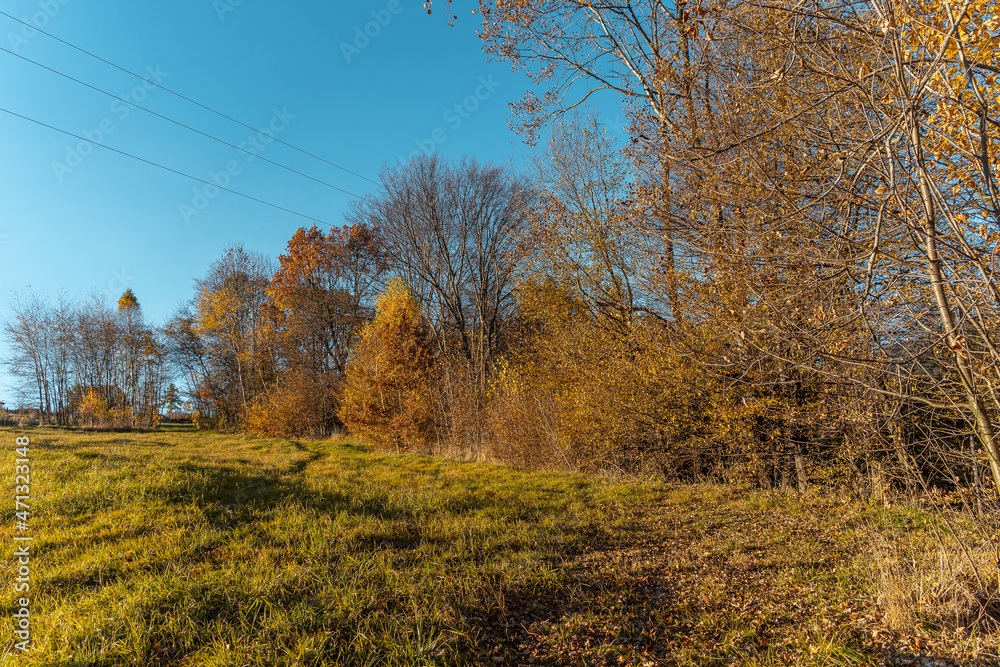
(320, 298)
(323, 290)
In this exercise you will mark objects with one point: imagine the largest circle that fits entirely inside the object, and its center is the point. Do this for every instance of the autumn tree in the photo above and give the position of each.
(141, 366)
(656, 61)
(322, 294)
(865, 202)
(586, 232)
(324, 289)
(388, 395)
(93, 408)
(224, 341)
(660, 230)
(604, 377)
(938, 111)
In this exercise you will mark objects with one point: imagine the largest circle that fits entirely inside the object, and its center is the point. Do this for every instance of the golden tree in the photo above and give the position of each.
(387, 393)
(320, 297)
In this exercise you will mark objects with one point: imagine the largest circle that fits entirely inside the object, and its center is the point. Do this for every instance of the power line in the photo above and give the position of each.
(174, 171)
(183, 97)
(175, 122)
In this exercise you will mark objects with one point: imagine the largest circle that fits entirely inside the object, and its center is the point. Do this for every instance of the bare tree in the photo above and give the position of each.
(27, 333)
(657, 58)
(451, 231)
(66, 349)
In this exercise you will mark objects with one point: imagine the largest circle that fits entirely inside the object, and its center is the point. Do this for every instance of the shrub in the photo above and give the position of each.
(94, 408)
(299, 405)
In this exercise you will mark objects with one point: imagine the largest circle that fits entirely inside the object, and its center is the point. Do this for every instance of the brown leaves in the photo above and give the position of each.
(322, 290)
(708, 576)
(958, 346)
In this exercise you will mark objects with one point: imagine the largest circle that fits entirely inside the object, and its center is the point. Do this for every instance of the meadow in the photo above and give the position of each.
(178, 547)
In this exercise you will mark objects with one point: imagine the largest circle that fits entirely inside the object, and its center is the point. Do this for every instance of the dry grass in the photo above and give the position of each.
(940, 581)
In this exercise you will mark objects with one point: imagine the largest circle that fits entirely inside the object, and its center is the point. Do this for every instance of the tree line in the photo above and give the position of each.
(785, 276)
(85, 363)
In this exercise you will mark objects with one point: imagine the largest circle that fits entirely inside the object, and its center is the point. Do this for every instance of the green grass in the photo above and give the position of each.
(184, 548)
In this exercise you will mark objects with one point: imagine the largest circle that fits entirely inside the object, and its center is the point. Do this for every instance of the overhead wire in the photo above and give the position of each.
(170, 169)
(186, 98)
(257, 155)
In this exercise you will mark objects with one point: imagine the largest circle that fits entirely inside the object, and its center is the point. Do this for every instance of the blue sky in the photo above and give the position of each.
(83, 219)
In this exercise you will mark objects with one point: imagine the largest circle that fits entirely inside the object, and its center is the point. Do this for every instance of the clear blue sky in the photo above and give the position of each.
(84, 220)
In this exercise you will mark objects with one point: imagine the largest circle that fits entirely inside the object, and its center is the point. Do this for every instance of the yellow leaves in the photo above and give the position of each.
(128, 301)
(94, 406)
(386, 395)
(214, 310)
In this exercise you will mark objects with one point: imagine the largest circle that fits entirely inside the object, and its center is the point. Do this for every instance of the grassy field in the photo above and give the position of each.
(184, 548)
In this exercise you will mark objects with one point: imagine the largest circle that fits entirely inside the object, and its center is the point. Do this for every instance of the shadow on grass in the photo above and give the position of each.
(230, 498)
(234, 499)
(635, 597)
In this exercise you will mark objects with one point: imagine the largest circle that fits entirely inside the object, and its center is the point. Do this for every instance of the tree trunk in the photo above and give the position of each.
(981, 419)
(800, 468)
